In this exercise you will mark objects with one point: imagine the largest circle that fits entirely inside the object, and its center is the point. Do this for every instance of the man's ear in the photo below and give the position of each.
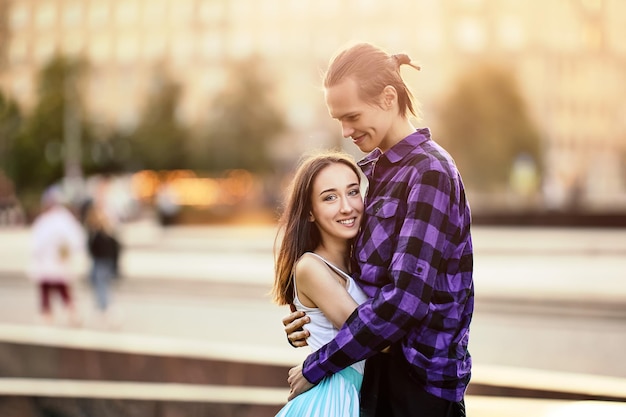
(389, 96)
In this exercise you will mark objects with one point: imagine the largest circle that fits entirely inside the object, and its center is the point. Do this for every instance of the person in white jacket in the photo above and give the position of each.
(57, 242)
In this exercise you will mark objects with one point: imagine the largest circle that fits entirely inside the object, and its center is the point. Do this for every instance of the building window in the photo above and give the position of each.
(155, 12)
(98, 14)
(155, 46)
(181, 11)
(183, 49)
(100, 50)
(127, 13)
(210, 11)
(43, 50)
(18, 51)
(470, 35)
(299, 8)
(72, 14)
(73, 43)
(212, 45)
(240, 46)
(510, 33)
(45, 15)
(239, 9)
(19, 17)
(127, 49)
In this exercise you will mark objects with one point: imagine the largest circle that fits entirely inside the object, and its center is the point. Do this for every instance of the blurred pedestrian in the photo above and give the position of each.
(167, 204)
(104, 249)
(320, 220)
(57, 242)
(413, 255)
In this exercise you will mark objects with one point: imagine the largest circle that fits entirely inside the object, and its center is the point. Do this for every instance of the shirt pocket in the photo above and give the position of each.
(378, 239)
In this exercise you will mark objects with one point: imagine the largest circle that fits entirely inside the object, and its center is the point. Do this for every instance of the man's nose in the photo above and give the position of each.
(347, 130)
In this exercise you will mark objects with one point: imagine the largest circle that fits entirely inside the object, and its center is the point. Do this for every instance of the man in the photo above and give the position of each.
(413, 255)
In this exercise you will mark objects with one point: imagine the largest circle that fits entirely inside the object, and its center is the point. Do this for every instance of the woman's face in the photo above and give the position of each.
(336, 203)
(366, 123)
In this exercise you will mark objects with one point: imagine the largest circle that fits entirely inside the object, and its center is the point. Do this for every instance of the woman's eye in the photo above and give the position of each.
(330, 197)
(354, 192)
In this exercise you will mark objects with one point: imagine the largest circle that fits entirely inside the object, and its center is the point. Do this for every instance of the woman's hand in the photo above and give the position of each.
(297, 382)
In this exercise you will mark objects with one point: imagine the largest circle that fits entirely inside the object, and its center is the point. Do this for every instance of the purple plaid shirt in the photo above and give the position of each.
(415, 257)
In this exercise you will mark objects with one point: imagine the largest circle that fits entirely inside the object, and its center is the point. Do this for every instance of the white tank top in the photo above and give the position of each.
(321, 329)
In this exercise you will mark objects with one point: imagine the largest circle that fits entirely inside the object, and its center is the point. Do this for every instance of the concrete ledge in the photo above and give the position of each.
(36, 387)
(97, 398)
(537, 383)
(107, 341)
(62, 353)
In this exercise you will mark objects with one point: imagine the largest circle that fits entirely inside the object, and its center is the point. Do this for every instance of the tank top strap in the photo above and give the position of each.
(332, 266)
(347, 277)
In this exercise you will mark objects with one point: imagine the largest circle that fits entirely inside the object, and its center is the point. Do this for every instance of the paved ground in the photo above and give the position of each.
(567, 264)
(539, 292)
(546, 298)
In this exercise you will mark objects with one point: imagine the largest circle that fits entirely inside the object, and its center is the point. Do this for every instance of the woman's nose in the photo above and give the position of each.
(346, 207)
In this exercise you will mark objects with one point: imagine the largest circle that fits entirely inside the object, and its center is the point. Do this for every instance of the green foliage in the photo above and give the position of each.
(10, 122)
(37, 153)
(242, 122)
(160, 141)
(484, 124)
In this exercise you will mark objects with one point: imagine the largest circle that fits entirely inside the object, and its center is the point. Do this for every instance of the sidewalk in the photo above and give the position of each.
(534, 265)
(569, 265)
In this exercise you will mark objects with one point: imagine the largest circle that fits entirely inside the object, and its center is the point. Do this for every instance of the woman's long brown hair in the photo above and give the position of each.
(296, 233)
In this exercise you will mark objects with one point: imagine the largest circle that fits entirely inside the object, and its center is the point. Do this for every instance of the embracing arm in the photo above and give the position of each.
(319, 287)
(405, 301)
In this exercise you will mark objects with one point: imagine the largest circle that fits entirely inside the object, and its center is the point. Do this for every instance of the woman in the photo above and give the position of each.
(413, 255)
(321, 218)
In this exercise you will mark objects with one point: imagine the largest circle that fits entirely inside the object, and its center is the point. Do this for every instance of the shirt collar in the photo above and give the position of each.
(397, 151)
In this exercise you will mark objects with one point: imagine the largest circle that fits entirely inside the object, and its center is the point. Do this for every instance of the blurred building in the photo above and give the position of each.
(568, 55)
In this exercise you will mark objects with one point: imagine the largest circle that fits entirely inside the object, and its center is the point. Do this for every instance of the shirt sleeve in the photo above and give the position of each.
(404, 302)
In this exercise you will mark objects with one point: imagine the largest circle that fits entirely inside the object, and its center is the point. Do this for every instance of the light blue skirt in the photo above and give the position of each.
(335, 396)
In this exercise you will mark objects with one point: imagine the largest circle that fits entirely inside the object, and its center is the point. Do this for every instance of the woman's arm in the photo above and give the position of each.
(319, 286)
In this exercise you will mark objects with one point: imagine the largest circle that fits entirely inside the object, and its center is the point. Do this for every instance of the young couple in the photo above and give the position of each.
(382, 288)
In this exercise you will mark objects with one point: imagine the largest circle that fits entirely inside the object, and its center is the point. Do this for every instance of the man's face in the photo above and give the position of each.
(366, 123)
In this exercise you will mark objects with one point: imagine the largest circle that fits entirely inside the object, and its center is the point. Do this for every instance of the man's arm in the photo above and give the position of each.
(404, 302)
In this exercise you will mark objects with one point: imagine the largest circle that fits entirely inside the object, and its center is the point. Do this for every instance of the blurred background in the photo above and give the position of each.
(184, 119)
(219, 98)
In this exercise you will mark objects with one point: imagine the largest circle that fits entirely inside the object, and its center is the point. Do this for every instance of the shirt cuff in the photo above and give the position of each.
(311, 369)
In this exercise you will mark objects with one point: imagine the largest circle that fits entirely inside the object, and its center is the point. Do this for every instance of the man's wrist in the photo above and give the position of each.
(313, 374)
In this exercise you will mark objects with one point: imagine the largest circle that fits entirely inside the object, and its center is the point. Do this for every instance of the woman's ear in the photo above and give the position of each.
(311, 218)
(389, 96)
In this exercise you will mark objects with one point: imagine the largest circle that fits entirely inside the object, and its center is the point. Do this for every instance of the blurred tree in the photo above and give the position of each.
(160, 140)
(484, 124)
(38, 152)
(10, 122)
(242, 122)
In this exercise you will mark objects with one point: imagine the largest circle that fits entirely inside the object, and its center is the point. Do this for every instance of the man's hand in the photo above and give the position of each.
(293, 327)
(297, 382)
